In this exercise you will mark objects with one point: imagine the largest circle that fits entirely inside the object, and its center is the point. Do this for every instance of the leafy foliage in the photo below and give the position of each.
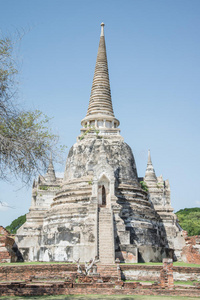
(91, 128)
(16, 224)
(189, 219)
(144, 186)
(25, 138)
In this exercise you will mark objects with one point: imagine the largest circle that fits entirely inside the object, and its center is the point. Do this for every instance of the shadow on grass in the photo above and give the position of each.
(99, 297)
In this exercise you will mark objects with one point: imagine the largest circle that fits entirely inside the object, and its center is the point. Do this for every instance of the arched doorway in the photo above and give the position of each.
(103, 191)
(103, 195)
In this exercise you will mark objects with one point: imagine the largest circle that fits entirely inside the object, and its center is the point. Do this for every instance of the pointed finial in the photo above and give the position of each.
(100, 107)
(150, 174)
(102, 29)
(50, 175)
(149, 158)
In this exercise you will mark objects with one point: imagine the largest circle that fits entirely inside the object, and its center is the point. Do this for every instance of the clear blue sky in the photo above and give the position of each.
(153, 50)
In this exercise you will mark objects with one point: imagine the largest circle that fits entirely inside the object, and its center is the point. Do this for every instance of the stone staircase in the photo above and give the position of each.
(105, 236)
(109, 271)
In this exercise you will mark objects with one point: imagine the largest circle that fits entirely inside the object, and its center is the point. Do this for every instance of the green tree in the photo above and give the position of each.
(25, 138)
(189, 219)
(16, 224)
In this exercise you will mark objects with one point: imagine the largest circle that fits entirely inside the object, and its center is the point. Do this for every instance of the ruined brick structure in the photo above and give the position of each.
(191, 251)
(5, 246)
(9, 251)
(63, 279)
(99, 208)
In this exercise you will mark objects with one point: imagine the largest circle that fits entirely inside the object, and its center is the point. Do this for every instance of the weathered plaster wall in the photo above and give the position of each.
(144, 272)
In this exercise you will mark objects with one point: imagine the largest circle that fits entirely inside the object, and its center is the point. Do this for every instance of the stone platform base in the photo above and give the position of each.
(63, 279)
(117, 288)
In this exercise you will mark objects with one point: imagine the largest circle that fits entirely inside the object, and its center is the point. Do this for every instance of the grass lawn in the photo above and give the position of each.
(35, 263)
(186, 282)
(175, 282)
(101, 297)
(177, 264)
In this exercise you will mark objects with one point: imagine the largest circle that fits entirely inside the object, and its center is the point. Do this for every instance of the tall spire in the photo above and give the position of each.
(149, 159)
(150, 174)
(100, 98)
(50, 175)
(100, 112)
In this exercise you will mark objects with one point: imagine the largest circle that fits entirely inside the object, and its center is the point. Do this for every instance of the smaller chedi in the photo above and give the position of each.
(99, 209)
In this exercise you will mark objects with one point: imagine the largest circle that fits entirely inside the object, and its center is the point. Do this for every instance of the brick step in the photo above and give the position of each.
(105, 241)
(106, 259)
(105, 236)
(106, 255)
(106, 216)
(107, 272)
(107, 269)
(107, 222)
(105, 228)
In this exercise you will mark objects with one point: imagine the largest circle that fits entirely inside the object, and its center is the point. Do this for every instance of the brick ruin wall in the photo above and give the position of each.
(16, 280)
(54, 271)
(191, 252)
(19, 289)
(152, 273)
(128, 272)
(6, 244)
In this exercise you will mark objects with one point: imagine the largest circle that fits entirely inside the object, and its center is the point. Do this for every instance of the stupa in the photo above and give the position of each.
(100, 207)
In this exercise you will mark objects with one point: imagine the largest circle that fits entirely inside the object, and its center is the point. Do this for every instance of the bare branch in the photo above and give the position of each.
(25, 138)
(5, 205)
